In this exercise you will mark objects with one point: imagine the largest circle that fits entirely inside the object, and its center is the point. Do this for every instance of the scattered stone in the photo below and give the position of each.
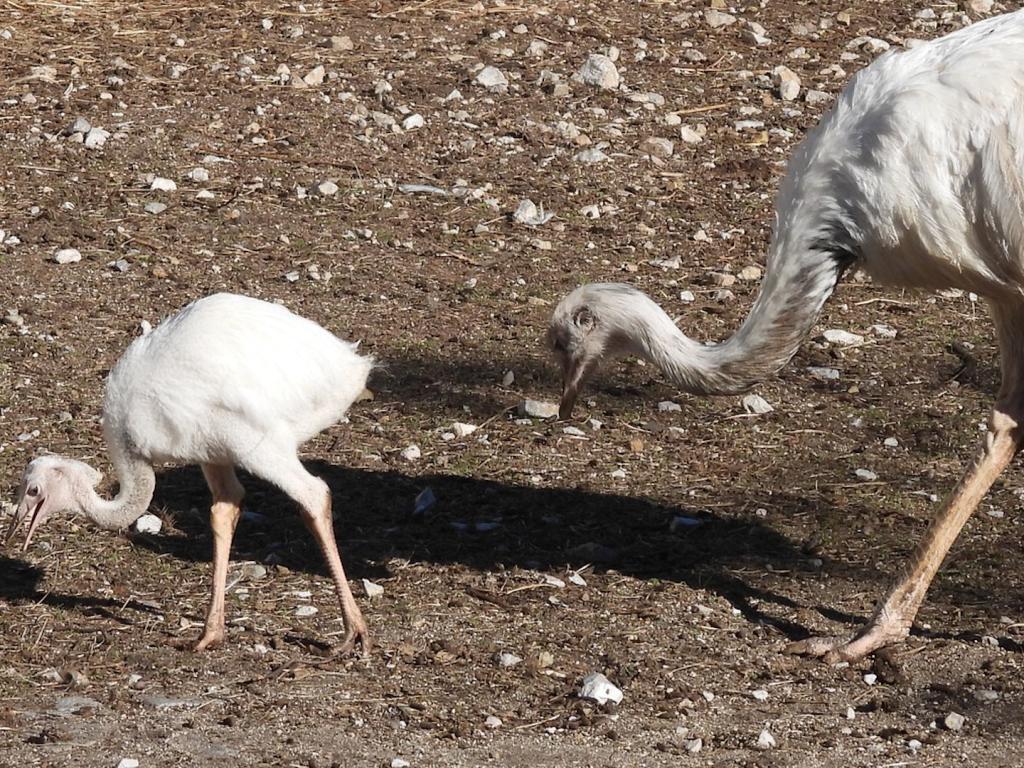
(657, 147)
(399, 763)
(817, 97)
(537, 409)
(341, 43)
(599, 71)
(128, 762)
(716, 18)
(667, 406)
(865, 474)
(786, 82)
(891, 442)
(760, 694)
(67, 256)
(529, 214)
(315, 76)
(954, 721)
(721, 279)
(750, 273)
(463, 430)
(372, 590)
(687, 297)
(160, 184)
(755, 33)
(756, 404)
(492, 722)
(325, 188)
(491, 77)
(412, 122)
(824, 374)
(411, 453)
(599, 688)
(199, 175)
(536, 49)
(96, 138)
(842, 338)
(149, 524)
(507, 660)
(693, 746)
(870, 678)
(573, 432)
(81, 125)
(980, 6)
(73, 705)
(306, 610)
(508, 379)
(883, 331)
(155, 208)
(765, 740)
(591, 155)
(692, 134)
(868, 44)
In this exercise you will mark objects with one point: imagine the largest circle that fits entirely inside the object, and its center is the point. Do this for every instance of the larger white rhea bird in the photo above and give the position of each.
(916, 176)
(228, 381)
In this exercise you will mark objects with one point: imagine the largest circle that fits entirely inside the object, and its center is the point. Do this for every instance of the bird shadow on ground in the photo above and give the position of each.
(20, 582)
(487, 525)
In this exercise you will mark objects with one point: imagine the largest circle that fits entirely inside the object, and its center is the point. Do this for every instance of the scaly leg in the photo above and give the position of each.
(227, 498)
(895, 614)
(321, 525)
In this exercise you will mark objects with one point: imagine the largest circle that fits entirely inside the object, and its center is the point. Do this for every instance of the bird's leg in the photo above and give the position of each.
(895, 614)
(224, 514)
(321, 525)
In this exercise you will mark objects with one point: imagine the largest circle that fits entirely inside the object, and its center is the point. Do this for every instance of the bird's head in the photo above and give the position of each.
(595, 322)
(50, 484)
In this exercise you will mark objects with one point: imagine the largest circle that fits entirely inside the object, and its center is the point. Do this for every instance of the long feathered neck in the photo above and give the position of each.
(795, 287)
(136, 480)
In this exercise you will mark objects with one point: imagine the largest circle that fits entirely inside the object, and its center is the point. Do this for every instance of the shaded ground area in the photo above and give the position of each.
(674, 551)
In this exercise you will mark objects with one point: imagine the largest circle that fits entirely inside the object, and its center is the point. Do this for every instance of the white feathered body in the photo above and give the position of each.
(919, 168)
(226, 376)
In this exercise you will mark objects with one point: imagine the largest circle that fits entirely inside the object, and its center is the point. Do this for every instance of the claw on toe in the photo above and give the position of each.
(353, 637)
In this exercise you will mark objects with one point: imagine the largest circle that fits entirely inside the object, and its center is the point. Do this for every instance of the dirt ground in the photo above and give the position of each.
(706, 538)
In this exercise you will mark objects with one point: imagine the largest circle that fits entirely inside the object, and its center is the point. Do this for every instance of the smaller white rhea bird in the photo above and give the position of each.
(917, 176)
(229, 381)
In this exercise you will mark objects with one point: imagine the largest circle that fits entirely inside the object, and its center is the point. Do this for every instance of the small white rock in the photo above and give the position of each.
(786, 82)
(306, 610)
(491, 77)
(760, 694)
(870, 678)
(690, 135)
(199, 175)
(573, 432)
(492, 722)
(67, 256)
(891, 442)
(507, 660)
(765, 740)
(599, 688)
(155, 207)
(463, 430)
(160, 184)
(883, 331)
(411, 453)
(667, 406)
(824, 374)
(96, 138)
(591, 155)
(399, 763)
(716, 18)
(149, 524)
(537, 409)
(954, 721)
(128, 762)
(598, 70)
(325, 188)
(412, 122)
(842, 338)
(756, 404)
(371, 589)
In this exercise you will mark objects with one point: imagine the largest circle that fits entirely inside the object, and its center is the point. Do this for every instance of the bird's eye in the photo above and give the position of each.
(33, 490)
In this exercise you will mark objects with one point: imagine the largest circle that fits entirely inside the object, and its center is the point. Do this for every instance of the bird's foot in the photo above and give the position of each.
(211, 639)
(835, 649)
(355, 635)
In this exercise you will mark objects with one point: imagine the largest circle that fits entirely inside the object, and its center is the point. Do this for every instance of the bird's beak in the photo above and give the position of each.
(576, 373)
(24, 512)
